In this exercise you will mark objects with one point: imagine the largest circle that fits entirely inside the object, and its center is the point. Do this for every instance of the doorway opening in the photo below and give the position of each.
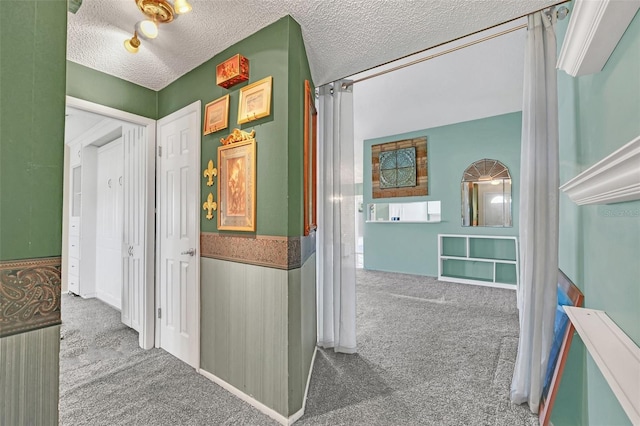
(108, 213)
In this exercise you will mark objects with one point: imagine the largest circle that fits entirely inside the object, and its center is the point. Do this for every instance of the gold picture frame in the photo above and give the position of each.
(216, 115)
(309, 166)
(237, 186)
(255, 101)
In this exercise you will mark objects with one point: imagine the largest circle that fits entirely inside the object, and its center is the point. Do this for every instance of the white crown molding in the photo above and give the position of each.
(595, 28)
(613, 179)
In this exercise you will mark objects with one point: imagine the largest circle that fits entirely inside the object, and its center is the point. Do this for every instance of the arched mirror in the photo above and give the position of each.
(486, 194)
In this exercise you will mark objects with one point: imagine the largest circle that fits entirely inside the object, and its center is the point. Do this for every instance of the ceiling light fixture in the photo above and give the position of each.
(181, 7)
(147, 28)
(157, 12)
(132, 44)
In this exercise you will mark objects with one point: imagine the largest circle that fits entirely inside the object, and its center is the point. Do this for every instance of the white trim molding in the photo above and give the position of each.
(615, 354)
(246, 398)
(108, 111)
(286, 421)
(613, 179)
(146, 337)
(595, 28)
(296, 416)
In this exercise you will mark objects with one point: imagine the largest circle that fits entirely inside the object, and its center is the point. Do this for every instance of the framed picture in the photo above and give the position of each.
(237, 186)
(255, 101)
(399, 169)
(568, 294)
(309, 167)
(216, 115)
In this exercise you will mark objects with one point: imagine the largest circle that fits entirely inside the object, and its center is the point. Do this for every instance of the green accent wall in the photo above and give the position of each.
(298, 72)
(33, 38)
(276, 51)
(32, 83)
(599, 244)
(258, 324)
(104, 89)
(413, 248)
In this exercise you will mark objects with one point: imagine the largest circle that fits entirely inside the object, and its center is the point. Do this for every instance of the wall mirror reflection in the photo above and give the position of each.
(415, 212)
(486, 194)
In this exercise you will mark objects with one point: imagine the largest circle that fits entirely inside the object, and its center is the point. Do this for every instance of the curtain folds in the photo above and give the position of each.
(336, 286)
(539, 183)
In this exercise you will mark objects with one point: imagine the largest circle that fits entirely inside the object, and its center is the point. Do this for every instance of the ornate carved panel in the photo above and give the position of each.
(29, 294)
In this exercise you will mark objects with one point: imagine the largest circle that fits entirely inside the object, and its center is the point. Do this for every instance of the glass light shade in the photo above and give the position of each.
(181, 7)
(132, 44)
(148, 28)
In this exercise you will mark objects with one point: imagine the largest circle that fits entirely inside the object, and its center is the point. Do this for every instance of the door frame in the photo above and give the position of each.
(195, 107)
(146, 338)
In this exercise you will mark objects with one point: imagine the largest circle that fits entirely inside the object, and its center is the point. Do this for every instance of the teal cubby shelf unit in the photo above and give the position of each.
(478, 259)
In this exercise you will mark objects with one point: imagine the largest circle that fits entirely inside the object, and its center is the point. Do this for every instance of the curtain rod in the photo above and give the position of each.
(453, 49)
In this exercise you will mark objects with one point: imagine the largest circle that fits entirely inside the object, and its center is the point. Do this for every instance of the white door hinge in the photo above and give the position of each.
(159, 151)
(159, 312)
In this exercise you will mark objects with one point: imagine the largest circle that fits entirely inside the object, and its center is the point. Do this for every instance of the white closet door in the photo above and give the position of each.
(109, 223)
(133, 242)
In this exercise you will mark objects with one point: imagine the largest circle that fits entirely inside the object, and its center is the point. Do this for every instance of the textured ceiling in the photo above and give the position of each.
(342, 37)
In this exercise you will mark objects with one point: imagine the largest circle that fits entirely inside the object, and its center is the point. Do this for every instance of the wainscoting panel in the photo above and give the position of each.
(244, 328)
(29, 371)
(302, 330)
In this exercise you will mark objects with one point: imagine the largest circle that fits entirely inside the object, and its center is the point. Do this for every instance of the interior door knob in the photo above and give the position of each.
(190, 252)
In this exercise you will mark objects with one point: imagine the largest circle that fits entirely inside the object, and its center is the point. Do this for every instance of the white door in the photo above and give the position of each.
(134, 226)
(109, 223)
(179, 233)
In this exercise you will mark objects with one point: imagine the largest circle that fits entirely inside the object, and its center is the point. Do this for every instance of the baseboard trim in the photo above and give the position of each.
(296, 416)
(246, 398)
(259, 405)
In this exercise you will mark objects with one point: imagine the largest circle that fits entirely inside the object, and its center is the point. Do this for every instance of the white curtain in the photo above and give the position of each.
(336, 234)
(538, 211)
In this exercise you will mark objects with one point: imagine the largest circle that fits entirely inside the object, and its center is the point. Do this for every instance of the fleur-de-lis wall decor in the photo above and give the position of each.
(210, 172)
(210, 206)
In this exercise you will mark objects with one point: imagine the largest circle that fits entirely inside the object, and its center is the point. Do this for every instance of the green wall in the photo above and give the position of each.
(599, 244)
(298, 72)
(32, 83)
(277, 51)
(258, 324)
(104, 89)
(413, 248)
(32, 86)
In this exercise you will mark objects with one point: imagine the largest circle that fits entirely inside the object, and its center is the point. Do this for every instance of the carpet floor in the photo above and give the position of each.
(429, 353)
